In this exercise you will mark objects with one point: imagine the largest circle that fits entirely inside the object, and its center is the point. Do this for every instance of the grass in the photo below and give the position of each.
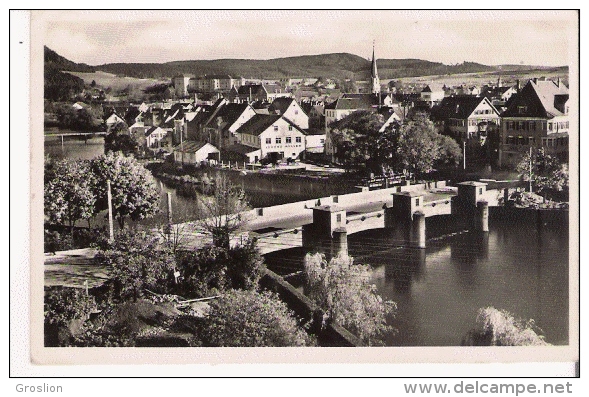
(116, 83)
(479, 79)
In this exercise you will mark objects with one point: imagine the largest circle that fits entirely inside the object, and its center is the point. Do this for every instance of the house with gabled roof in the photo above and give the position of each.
(195, 153)
(224, 121)
(465, 116)
(432, 93)
(290, 108)
(274, 135)
(261, 92)
(155, 137)
(113, 120)
(536, 117)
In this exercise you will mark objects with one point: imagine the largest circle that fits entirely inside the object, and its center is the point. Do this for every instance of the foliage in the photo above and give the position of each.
(59, 86)
(134, 192)
(506, 330)
(450, 153)
(341, 288)
(213, 269)
(359, 143)
(253, 319)
(63, 304)
(138, 261)
(86, 119)
(119, 140)
(203, 271)
(547, 171)
(244, 265)
(68, 193)
(418, 146)
(222, 213)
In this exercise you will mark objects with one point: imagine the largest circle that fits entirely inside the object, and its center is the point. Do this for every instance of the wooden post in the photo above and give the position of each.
(111, 232)
(169, 208)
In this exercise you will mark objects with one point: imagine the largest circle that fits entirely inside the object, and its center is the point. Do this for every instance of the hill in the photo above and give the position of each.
(337, 65)
(60, 86)
(55, 61)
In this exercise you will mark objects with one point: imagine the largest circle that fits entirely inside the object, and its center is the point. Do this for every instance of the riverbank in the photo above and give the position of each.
(263, 188)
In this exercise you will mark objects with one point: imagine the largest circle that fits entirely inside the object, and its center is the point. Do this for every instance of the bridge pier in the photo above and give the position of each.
(483, 216)
(417, 239)
(339, 242)
(406, 218)
(327, 233)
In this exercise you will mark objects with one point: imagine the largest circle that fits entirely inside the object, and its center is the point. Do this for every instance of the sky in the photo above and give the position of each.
(450, 37)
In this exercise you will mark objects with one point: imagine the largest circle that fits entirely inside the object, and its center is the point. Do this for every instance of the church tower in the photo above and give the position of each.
(374, 80)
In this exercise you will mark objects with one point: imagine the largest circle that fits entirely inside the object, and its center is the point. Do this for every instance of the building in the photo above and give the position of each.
(212, 83)
(195, 153)
(274, 135)
(261, 92)
(113, 120)
(239, 153)
(374, 80)
(537, 117)
(433, 93)
(155, 137)
(181, 84)
(290, 109)
(224, 121)
(465, 117)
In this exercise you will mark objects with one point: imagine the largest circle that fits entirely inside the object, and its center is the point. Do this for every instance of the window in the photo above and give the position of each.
(298, 139)
(288, 139)
(549, 126)
(322, 140)
(268, 141)
(275, 128)
(338, 218)
(417, 202)
(278, 140)
(531, 140)
(296, 111)
(290, 127)
(480, 190)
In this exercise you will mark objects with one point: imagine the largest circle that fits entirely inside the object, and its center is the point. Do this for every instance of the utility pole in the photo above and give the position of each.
(464, 155)
(530, 177)
(111, 232)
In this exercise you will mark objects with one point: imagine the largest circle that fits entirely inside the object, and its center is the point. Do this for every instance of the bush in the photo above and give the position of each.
(63, 304)
(138, 261)
(501, 328)
(253, 319)
(341, 288)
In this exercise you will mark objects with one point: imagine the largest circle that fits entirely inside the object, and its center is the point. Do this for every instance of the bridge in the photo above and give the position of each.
(329, 220)
(64, 134)
(321, 223)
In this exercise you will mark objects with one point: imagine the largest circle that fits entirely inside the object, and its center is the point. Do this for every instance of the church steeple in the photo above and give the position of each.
(374, 80)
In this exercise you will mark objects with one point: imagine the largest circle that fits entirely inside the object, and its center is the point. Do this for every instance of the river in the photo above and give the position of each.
(517, 267)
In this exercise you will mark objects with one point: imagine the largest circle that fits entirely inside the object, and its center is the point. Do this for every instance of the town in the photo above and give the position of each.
(282, 198)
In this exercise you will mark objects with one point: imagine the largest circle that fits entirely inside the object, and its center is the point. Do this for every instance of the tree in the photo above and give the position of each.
(138, 261)
(134, 192)
(85, 119)
(222, 213)
(418, 144)
(341, 288)
(252, 319)
(119, 140)
(501, 328)
(68, 192)
(450, 153)
(359, 142)
(93, 83)
(547, 171)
